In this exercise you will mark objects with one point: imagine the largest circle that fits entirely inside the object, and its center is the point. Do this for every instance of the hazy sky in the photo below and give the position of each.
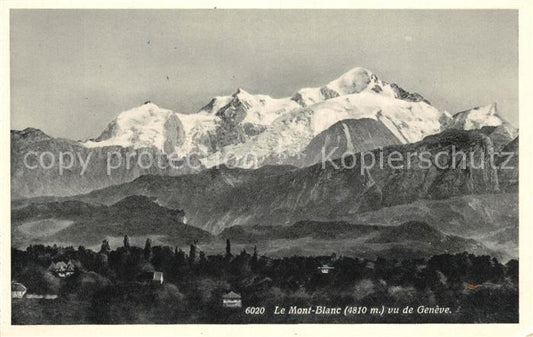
(73, 71)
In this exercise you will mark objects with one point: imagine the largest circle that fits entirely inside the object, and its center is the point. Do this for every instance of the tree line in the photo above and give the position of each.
(105, 287)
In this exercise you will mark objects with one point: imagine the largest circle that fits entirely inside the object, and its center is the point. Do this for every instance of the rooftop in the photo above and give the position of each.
(231, 295)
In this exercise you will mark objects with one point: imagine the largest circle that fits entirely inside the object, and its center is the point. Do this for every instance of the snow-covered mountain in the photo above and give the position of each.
(243, 125)
(476, 118)
(352, 82)
(355, 112)
(292, 132)
(145, 126)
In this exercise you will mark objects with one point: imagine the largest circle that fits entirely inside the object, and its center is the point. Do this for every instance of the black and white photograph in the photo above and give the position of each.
(238, 166)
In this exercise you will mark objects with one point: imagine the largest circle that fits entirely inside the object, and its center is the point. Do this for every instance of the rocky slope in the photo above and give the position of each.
(348, 136)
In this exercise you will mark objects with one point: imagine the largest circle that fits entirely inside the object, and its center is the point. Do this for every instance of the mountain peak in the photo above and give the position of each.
(477, 117)
(148, 105)
(220, 103)
(144, 126)
(242, 96)
(240, 91)
(352, 81)
(487, 110)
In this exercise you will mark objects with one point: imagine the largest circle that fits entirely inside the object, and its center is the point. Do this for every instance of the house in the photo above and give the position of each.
(62, 269)
(231, 300)
(157, 278)
(151, 277)
(17, 290)
(324, 269)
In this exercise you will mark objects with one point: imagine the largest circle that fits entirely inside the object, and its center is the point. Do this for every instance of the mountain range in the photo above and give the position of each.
(472, 207)
(238, 128)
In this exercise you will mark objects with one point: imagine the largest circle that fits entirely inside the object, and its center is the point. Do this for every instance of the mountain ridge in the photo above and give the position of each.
(271, 195)
(231, 129)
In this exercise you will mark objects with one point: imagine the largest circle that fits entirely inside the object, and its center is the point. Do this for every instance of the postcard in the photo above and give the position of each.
(201, 170)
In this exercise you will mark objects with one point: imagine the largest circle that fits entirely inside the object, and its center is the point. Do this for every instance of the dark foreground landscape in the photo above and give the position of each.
(120, 286)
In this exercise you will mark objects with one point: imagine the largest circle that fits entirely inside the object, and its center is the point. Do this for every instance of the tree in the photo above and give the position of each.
(126, 242)
(180, 258)
(253, 262)
(228, 248)
(148, 249)
(202, 261)
(192, 253)
(512, 270)
(105, 248)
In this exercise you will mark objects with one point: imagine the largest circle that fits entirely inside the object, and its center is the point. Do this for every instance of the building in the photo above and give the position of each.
(62, 269)
(151, 277)
(231, 300)
(157, 277)
(324, 269)
(17, 290)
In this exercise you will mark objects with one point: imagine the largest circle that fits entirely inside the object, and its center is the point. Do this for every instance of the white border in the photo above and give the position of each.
(524, 328)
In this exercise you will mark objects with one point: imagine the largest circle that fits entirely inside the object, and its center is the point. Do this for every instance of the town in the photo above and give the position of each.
(165, 284)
